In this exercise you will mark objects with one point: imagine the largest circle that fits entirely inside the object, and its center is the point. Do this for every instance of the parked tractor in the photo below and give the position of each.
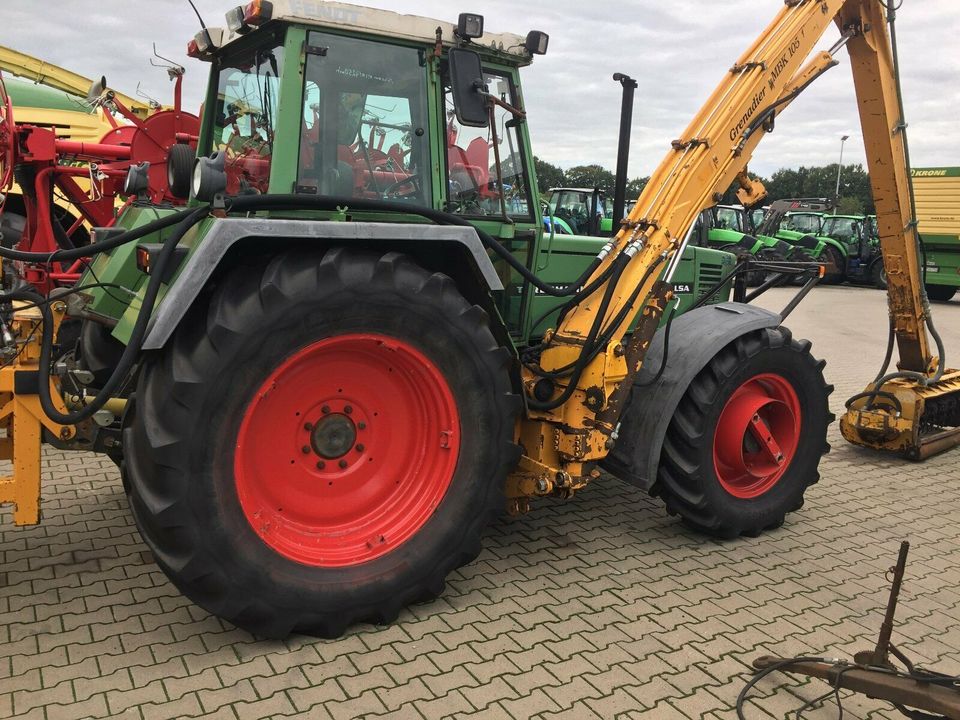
(858, 247)
(326, 375)
(730, 228)
(582, 211)
(799, 222)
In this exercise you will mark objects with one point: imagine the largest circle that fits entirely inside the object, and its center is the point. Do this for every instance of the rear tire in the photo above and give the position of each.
(265, 516)
(940, 293)
(878, 275)
(713, 472)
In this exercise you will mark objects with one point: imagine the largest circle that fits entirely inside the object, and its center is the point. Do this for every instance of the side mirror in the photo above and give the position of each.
(466, 82)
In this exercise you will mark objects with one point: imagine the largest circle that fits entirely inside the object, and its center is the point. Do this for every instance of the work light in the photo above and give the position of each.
(235, 21)
(536, 43)
(209, 176)
(470, 26)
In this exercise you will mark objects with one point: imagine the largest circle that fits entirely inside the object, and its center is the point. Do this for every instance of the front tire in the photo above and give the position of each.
(323, 443)
(746, 439)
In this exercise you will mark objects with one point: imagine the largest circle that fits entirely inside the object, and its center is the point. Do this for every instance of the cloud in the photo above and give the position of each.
(677, 51)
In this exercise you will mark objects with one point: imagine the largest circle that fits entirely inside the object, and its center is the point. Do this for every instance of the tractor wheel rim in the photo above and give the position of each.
(346, 450)
(757, 436)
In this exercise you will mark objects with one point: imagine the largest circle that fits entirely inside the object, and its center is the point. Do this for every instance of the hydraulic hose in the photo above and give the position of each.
(584, 358)
(95, 248)
(130, 352)
(604, 337)
(186, 219)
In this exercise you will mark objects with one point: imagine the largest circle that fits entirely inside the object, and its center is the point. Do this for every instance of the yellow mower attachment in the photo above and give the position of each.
(907, 417)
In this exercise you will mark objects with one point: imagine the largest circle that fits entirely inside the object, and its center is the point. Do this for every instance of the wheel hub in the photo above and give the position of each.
(757, 435)
(333, 436)
(346, 450)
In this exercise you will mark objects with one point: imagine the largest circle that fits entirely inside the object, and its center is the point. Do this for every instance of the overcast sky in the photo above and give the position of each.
(678, 50)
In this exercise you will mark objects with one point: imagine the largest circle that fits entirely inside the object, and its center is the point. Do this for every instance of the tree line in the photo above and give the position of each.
(815, 181)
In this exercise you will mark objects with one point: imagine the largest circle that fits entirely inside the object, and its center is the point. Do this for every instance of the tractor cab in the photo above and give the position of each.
(809, 223)
(850, 230)
(326, 100)
(582, 210)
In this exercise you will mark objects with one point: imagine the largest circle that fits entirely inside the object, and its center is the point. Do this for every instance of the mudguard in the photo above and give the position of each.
(227, 232)
(695, 338)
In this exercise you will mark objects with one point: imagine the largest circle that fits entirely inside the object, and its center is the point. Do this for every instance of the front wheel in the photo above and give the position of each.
(746, 439)
(941, 293)
(323, 443)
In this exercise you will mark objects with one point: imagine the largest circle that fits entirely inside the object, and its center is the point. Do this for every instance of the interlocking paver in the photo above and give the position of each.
(601, 607)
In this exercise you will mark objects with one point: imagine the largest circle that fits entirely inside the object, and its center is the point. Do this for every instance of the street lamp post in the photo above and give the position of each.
(836, 195)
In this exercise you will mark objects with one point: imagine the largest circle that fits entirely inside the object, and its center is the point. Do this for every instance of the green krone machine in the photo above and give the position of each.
(937, 192)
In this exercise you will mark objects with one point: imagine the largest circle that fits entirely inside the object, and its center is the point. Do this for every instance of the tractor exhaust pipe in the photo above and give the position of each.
(623, 148)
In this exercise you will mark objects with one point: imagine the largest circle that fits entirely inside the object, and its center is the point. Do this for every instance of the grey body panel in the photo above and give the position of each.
(225, 232)
(694, 340)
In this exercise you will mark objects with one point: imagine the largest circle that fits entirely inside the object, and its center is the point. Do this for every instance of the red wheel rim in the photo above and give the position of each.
(757, 435)
(346, 450)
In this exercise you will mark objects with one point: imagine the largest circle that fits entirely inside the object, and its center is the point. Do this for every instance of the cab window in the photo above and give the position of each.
(363, 130)
(728, 219)
(471, 172)
(246, 116)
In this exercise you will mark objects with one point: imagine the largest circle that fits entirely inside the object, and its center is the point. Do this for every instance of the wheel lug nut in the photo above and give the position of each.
(343, 464)
(360, 448)
(361, 426)
(306, 449)
(348, 409)
(321, 465)
(325, 409)
(308, 426)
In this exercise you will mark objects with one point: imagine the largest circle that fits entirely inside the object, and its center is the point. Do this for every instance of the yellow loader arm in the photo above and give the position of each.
(576, 396)
(54, 76)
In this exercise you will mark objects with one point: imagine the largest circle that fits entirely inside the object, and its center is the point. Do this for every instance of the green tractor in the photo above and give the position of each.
(858, 244)
(580, 211)
(799, 222)
(730, 228)
(282, 369)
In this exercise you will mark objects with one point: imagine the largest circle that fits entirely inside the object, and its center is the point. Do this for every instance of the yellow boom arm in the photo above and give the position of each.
(54, 76)
(701, 165)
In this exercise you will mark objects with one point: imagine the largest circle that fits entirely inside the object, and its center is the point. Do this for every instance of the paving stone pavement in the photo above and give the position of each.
(600, 607)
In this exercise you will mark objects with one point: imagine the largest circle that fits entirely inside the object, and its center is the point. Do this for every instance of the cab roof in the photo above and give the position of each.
(390, 24)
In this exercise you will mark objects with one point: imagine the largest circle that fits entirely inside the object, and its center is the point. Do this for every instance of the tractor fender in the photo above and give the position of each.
(224, 234)
(828, 241)
(695, 338)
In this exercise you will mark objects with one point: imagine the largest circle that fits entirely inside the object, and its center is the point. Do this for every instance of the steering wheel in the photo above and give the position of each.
(7, 138)
(410, 179)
